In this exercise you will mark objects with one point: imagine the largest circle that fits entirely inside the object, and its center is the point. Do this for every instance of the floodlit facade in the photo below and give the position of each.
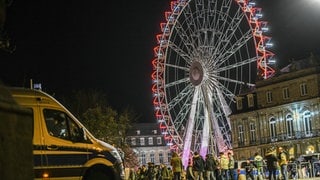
(148, 143)
(282, 111)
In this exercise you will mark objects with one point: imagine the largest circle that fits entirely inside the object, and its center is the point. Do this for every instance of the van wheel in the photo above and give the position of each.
(97, 173)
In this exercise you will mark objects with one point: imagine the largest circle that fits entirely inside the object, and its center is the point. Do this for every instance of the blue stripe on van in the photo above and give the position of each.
(69, 156)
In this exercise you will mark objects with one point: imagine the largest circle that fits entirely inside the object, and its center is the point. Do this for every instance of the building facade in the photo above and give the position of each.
(282, 111)
(148, 143)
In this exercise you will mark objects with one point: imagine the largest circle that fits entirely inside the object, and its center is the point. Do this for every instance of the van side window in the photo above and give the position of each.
(60, 125)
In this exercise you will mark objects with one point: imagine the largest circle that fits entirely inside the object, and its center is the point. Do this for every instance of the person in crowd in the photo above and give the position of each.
(224, 166)
(198, 166)
(132, 174)
(272, 163)
(231, 166)
(210, 166)
(151, 171)
(249, 166)
(258, 162)
(189, 171)
(142, 172)
(165, 173)
(283, 163)
(177, 166)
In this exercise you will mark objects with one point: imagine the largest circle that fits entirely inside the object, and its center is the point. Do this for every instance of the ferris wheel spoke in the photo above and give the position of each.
(177, 67)
(229, 31)
(222, 15)
(234, 81)
(226, 92)
(182, 115)
(237, 64)
(174, 83)
(179, 97)
(185, 38)
(180, 52)
(234, 48)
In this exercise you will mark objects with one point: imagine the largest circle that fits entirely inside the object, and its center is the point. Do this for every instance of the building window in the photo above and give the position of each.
(159, 141)
(169, 156)
(143, 158)
(289, 121)
(307, 123)
(269, 96)
(239, 103)
(138, 132)
(252, 132)
(152, 157)
(303, 89)
(142, 143)
(250, 100)
(273, 129)
(285, 93)
(154, 131)
(133, 141)
(160, 157)
(241, 134)
(150, 141)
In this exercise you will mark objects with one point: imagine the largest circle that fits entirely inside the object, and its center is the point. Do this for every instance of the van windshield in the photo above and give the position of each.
(60, 125)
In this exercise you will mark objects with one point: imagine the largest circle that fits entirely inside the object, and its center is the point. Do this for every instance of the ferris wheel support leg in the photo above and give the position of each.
(191, 121)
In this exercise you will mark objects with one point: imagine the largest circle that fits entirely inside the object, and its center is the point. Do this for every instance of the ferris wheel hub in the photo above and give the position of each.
(196, 73)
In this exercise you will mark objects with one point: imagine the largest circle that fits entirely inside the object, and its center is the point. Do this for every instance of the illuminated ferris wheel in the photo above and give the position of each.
(208, 51)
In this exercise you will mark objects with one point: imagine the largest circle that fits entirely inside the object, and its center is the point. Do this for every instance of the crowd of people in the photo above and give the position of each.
(199, 168)
(273, 165)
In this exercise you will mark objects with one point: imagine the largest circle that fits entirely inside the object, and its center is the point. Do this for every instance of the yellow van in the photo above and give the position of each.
(62, 147)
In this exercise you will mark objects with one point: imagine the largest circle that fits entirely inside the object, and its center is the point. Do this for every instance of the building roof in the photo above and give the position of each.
(145, 129)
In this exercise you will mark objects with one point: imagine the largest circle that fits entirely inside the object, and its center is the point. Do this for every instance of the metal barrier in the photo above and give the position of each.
(293, 170)
(305, 170)
(316, 169)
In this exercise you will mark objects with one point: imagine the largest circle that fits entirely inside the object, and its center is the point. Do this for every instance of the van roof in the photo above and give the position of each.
(25, 96)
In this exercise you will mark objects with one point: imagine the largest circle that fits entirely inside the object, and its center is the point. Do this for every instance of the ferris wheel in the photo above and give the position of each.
(208, 51)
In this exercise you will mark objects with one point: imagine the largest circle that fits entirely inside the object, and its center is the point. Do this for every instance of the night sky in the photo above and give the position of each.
(108, 45)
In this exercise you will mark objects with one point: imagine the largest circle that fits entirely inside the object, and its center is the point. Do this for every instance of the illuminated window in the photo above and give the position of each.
(142, 141)
(310, 149)
(152, 157)
(303, 89)
(169, 156)
(273, 129)
(133, 141)
(150, 141)
(289, 121)
(252, 132)
(160, 157)
(159, 141)
(239, 103)
(250, 100)
(285, 93)
(143, 158)
(269, 96)
(307, 123)
(241, 134)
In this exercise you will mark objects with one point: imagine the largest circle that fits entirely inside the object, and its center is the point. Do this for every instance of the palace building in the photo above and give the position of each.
(282, 111)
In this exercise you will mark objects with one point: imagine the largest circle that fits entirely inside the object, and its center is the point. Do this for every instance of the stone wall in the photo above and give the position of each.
(16, 158)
